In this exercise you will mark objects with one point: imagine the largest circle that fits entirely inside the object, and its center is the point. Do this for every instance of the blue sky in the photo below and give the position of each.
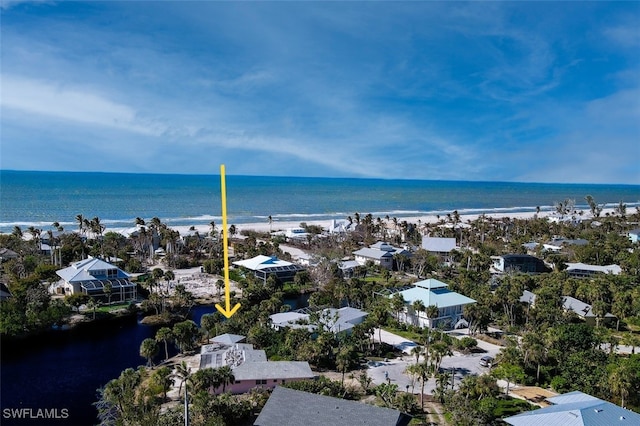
(497, 91)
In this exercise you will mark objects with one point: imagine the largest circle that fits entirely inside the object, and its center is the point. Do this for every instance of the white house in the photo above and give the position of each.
(433, 292)
(264, 266)
(297, 234)
(330, 319)
(380, 254)
(583, 270)
(89, 276)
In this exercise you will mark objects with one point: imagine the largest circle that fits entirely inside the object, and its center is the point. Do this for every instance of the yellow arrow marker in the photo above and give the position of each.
(226, 311)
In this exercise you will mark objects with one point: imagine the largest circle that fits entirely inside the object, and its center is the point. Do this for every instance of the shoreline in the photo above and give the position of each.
(282, 226)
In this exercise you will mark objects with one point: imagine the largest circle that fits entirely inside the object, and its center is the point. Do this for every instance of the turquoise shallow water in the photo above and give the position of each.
(41, 198)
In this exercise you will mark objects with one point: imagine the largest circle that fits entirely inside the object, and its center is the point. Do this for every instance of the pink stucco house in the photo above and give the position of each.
(250, 366)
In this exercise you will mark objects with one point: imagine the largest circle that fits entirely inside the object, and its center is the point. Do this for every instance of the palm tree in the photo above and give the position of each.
(397, 304)
(417, 351)
(418, 306)
(17, 232)
(209, 323)
(149, 349)
(510, 373)
(442, 383)
(163, 377)
(35, 235)
(93, 305)
(620, 381)
(432, 312)
(108, 290)
(183, 372)
(80, 220)
(535, 350)
(164, 334)
(204, 380)
(225, 376)
(422, 371)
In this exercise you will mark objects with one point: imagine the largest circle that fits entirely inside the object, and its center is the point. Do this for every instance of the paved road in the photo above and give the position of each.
(394, 369)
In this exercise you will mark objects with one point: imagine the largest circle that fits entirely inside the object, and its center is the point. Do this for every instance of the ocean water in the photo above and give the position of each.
(41, 198)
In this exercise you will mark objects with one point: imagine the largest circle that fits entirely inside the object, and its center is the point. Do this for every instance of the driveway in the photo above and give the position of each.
(459, 364)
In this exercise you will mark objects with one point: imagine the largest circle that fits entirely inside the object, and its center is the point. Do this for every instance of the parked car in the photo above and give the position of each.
(487, 361)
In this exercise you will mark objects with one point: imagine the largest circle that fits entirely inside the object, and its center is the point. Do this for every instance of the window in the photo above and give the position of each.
(261, 382)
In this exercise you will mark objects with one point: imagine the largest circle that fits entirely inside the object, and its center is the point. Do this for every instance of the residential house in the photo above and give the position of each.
(250, 366)
(557, 244)
(264, 266)
(583, 270)
(7, 254)
(440, 247)
(348, 268)
(330, 319)
(339, 227)
(289, 407)
(433, 292)
(634, 236)
(298, 234)
(583, 310)
(380, 254)
(518, 263)
(576, 409)
(89, 276)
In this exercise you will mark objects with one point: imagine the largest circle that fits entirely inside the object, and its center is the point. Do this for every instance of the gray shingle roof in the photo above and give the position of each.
(288, 407)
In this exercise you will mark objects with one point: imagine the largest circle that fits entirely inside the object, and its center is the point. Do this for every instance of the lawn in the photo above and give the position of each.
(411, 335)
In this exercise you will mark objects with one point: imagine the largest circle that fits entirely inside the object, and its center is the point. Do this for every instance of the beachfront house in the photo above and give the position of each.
(518, 263)
(432, 292)
(576, 408)
(90, 276)
(583, 270)
(634, 236)
(297, 234)
(380, 254)
(330, 319)
(264, 266)
(293, 407)
(250, 366)
(440, 247)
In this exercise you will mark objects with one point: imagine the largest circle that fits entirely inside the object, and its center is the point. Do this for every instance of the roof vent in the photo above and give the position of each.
(623, 418)
(598, 410)
(573, 414)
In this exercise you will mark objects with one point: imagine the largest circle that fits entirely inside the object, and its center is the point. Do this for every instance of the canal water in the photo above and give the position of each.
(59, 372)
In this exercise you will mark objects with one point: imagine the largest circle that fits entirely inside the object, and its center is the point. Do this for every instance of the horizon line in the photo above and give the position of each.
(319, 177)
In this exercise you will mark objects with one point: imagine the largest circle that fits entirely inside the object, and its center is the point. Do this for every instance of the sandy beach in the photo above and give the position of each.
(203, 286)
(277, 226)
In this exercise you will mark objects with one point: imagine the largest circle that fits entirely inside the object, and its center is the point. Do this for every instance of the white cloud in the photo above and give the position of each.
(60, 101)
